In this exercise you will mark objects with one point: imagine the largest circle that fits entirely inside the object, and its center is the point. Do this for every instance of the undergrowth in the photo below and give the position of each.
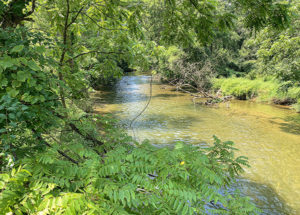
(122, 176)
(260, 89)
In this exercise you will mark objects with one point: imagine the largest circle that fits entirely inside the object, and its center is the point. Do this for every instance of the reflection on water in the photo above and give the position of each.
(268, 135)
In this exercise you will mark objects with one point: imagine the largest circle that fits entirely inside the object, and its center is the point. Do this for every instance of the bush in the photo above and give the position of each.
(263, 90)
(128, 179)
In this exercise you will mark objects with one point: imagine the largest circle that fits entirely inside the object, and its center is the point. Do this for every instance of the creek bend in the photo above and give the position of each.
(268, 135)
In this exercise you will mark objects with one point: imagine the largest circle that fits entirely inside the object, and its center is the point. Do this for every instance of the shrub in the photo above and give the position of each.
(264, 90)
(140, 179)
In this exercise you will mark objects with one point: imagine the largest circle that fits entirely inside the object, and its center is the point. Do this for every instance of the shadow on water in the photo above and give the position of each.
(158, 120)
(264, 197)
(166, 96)
(291, 124)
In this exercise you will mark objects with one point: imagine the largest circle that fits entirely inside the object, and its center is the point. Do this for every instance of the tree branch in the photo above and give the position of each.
(195, 5)
(98, 52)
(41, 139)
(32, 9)
(75, 17)
(62, 57)
(85, 136)
(101, 26)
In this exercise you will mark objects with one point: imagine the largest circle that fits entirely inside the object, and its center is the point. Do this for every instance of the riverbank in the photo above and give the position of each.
(271, 91)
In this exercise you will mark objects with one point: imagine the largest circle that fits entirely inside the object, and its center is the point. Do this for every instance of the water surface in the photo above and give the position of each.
(268, 135)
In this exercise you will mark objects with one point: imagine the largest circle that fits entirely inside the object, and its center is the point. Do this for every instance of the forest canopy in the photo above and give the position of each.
(59, 157)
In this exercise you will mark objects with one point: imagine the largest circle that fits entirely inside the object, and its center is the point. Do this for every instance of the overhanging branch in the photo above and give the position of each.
(90, 52)
(41, 139)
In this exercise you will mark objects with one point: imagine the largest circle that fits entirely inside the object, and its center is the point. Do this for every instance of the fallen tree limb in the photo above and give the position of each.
(200, 93)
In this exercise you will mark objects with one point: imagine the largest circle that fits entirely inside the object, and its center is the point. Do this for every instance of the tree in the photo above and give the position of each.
(54, 160)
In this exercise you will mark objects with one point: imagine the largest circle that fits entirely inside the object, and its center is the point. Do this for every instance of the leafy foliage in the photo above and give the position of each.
(263, 90)
(128, 180)
(58, 157)
(271, 54)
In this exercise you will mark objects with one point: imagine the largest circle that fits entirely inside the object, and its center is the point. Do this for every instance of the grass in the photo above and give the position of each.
(267, 91)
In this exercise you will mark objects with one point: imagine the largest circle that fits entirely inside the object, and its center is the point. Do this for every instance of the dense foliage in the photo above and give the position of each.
(59, 157)
(130, 179)
(271, 55)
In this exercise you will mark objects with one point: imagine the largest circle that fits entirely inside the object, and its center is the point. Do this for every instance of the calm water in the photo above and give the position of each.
(269, 136)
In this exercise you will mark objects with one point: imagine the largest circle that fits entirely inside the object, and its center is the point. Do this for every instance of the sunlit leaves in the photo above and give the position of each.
(96, 39)
(259, 14)
(144, 178)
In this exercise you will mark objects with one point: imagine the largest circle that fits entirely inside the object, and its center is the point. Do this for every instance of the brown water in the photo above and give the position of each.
(268, 135)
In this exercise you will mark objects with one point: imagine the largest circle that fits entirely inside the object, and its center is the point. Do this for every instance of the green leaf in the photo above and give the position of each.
(32, 65)
(23, 61)
(12, 116)
(17, 49)
(4, 177)
(38, 87)
(178, 146)
(2, 184)
(16, 83)
(2, 117)
(3, 82)
(2, 130)
(21, 76)
(24, 108)
(13, 92)
(40, 49)
(7, 62)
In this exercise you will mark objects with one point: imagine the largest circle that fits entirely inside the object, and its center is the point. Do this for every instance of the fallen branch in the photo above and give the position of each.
(200, 93)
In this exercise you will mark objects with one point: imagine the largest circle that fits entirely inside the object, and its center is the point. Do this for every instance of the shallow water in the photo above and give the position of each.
(268, 135)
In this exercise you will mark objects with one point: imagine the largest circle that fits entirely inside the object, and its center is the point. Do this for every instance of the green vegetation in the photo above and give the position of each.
(262, 90)
(128, 180)
(249, 64)
(59, 157)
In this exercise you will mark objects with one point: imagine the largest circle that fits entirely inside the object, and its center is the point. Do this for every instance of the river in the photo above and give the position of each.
(268, 135)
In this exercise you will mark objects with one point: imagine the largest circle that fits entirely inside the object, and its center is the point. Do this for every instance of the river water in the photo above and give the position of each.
(268, 135)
